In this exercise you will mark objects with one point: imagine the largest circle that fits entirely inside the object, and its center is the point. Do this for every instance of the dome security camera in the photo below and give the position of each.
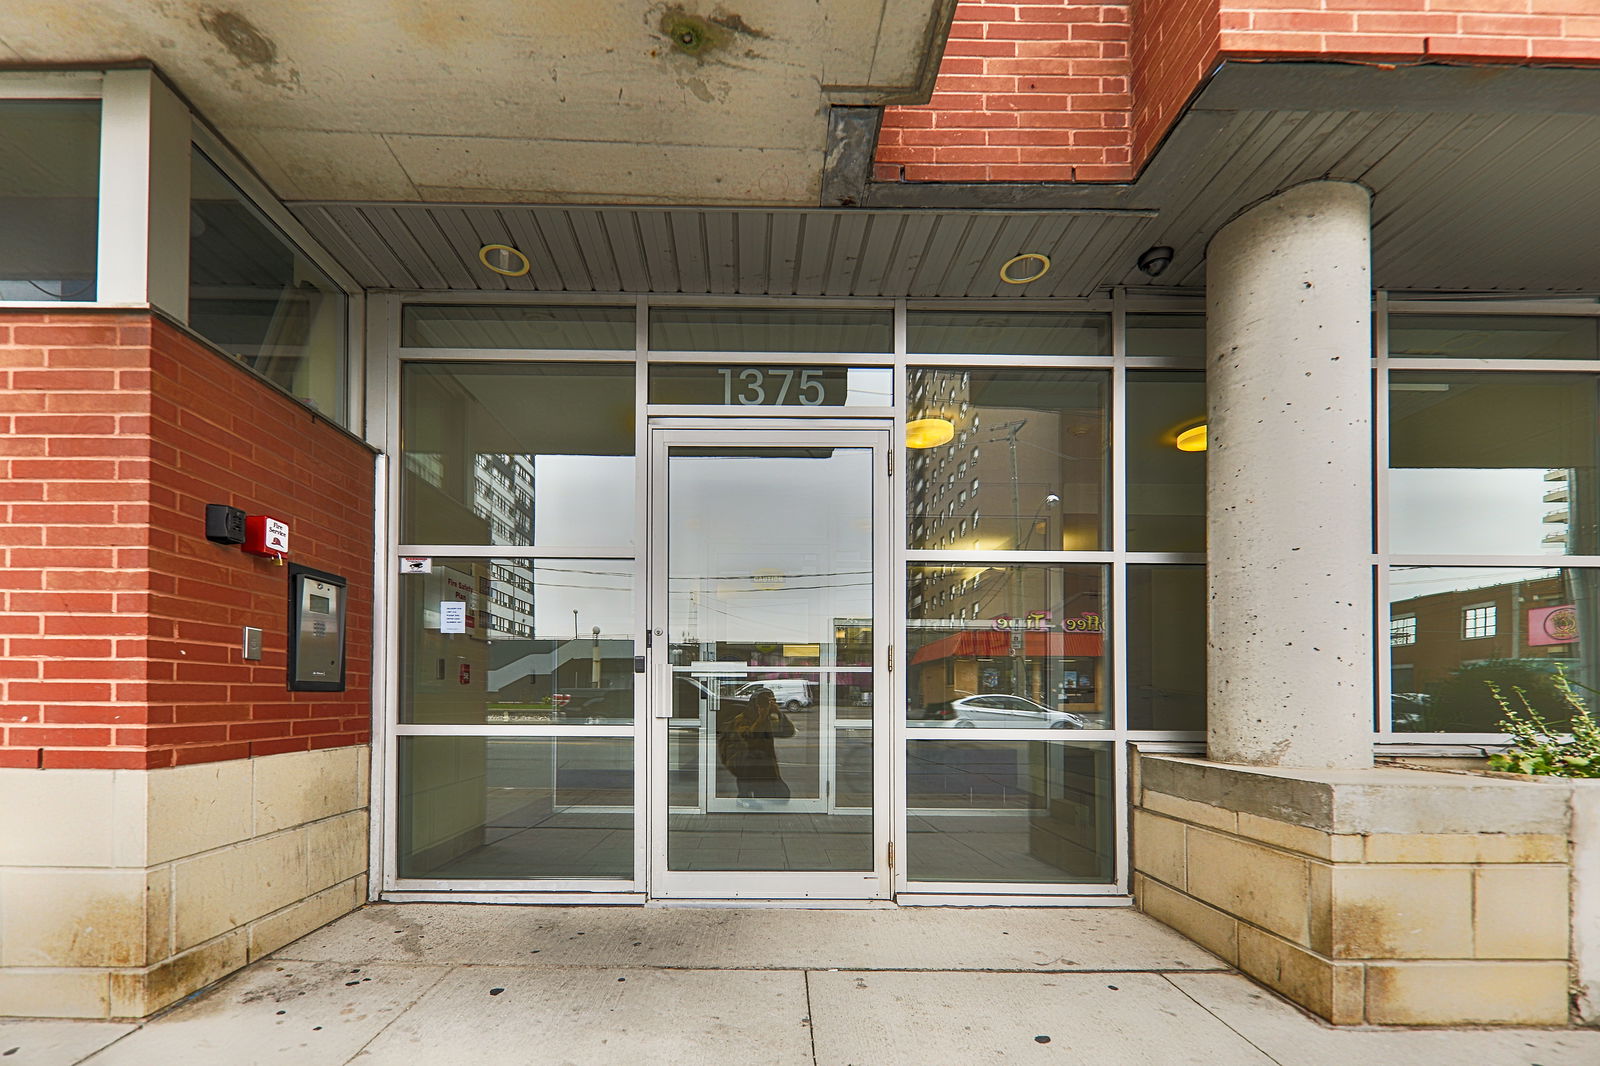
(1154, 260)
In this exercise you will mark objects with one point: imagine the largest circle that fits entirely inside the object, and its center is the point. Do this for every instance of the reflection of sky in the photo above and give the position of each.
(583, 499)
(601, 591)
(869, 387)
(789, 538)
(1407, 583)
(1469, 511)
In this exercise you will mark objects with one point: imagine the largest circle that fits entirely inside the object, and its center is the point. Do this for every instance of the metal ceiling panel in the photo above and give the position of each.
(1473, 190)
(841, 252)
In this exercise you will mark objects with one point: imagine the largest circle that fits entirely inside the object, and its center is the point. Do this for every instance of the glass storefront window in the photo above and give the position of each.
(1166, 485)
(1455, 631)
(1008, 647)
(1494, 337)
(1169, 335)
(1166, 647)
(524, 453)
(1018, 811)
(1034, 442)
(493, 808)
(525, 328)
(256, 296)
(717, 329)
(49, 199)
(1002, 333)
(1493, 463)
(509, 641)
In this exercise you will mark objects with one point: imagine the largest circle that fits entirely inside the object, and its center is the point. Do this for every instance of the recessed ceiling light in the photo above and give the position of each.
(1021, 269)
(504, 259)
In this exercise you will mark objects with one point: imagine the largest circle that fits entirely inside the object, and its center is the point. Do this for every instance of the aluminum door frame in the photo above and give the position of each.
(665, 884)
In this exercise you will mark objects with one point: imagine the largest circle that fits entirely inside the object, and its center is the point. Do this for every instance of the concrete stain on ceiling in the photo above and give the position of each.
(720, 39)
(252, 49)
(629, 101)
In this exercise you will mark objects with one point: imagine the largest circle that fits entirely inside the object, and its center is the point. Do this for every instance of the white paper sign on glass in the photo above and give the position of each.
(452, 617)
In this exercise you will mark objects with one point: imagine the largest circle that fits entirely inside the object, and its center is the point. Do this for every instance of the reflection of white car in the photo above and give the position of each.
(997, 711)
(792, 694)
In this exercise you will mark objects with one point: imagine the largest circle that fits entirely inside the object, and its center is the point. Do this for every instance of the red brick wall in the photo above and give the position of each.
(120, 621)
(1559, 31)
(1175, 47)
(1026, 92)
(1070, 91)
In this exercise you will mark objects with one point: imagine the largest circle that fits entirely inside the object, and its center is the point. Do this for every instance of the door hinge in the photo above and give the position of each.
(891, 658)
(890, 454)
(891, 854)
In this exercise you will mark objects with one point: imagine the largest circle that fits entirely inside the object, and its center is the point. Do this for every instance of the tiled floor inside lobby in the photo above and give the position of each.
(440, 984)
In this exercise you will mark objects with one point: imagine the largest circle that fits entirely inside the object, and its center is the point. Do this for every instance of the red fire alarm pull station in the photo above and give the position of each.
(266, 536)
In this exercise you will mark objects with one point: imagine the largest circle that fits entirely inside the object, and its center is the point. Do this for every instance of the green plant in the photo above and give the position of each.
(1539, 749)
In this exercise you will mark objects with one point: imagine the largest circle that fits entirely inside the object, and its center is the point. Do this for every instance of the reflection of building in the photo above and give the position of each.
(1013, 475)
(1433, 635)
(1033, 631)
(1058, 668)
(1558, 490)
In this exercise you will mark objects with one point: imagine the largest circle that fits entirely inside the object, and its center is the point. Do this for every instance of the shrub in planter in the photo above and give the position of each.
(1537, 748)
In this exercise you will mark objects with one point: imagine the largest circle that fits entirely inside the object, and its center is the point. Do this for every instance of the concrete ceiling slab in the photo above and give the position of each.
(507, 99)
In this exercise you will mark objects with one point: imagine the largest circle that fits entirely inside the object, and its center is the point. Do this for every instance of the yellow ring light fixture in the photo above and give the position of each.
(1007, 276)
(929, 432)
(504, 260)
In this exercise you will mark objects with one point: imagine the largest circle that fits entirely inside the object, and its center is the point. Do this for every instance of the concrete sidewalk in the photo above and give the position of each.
(440, 984)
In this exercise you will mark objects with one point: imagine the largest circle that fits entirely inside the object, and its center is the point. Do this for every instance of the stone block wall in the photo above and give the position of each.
(151, 884)
(1386, 896)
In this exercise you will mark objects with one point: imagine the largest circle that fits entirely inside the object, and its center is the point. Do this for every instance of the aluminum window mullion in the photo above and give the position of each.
(492, 732)
(1382, 681)
(899, 617)
(1557, 306)
(1002, 362)
(696, 357)
(644, 693)
(734, 411)
(386, 862)
(515, 355)
(956, 556)
(1509, 562)
(1508, 365)
(618, 552)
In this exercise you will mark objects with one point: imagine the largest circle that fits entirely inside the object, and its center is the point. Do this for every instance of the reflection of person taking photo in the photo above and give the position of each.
(747, 752)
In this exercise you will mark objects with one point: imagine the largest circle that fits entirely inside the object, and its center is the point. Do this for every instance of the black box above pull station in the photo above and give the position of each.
(224, 524)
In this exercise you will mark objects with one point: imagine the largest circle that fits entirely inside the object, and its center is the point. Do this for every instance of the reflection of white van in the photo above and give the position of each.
(792, 693)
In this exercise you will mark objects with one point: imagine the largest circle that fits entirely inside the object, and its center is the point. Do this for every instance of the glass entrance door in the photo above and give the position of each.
(769, 752)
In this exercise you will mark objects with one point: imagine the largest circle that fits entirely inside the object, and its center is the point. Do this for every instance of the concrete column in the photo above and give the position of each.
(1289, 481)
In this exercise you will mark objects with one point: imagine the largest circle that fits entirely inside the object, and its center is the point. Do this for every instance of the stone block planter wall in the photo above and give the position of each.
(1384, 896)
(154, 883)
